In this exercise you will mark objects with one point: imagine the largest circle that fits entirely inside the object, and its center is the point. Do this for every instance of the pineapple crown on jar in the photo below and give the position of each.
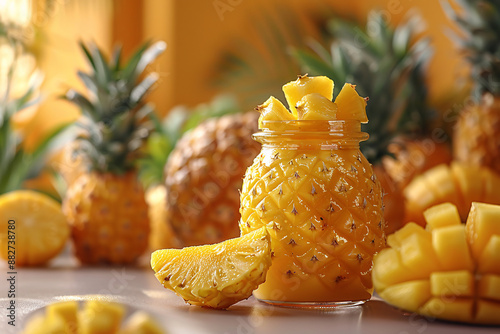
(387, 64)
(115, 117)
(479, 22)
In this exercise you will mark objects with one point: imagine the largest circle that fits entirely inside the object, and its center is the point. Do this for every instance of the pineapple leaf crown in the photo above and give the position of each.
(387, 65)
(115, 118)
(479, 21)
(169, 130)
(17, 164)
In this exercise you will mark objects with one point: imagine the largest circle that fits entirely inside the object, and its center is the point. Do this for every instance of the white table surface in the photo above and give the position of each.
(138, 288)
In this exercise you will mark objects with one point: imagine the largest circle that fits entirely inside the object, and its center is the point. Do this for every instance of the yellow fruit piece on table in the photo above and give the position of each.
(452, 309)
(389, 269)
(296, 90)
(441, 215)
(40, 232)
(218, 275)
(99, 317)
(489, 261)
(408, 295)
(489, 287)
(67, 311)
(141, 323)
(273, 110)
(451, 248)
(350, 105)
(452, 283)
(482, 223)
(315, 106)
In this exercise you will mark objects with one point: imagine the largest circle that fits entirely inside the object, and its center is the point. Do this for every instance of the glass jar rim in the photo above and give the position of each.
(346, 129)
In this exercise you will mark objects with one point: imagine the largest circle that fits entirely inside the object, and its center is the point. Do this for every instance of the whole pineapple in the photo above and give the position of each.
(387, 66)
(477, 131)
(105, 205)
(204, 174)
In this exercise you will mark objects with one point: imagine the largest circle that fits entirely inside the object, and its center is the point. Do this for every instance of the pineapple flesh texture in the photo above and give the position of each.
(322, 242)
(215, 276)
(106, 227)
(457, 278)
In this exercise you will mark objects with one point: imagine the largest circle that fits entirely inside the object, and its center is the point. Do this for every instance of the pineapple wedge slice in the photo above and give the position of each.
(273, 110)
(304, 85)
(316, 107)
(218, 275)
(449, 270)
(350, 104)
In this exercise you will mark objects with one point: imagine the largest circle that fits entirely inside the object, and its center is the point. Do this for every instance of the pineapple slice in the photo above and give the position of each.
(304, 85)
(441, 215)
(98, 317)
(67, 311)
(273, 110)
(351, 105)
(41, 230)
(141, 323)
(315, 106)
(218, 275)
(449, 270)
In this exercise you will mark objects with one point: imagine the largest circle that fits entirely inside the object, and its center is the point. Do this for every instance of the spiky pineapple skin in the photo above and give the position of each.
(203, 175)
(477, 134)
(323, 211)
(108, 215)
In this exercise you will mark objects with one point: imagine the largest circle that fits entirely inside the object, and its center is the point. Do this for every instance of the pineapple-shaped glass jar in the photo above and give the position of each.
(317, 195)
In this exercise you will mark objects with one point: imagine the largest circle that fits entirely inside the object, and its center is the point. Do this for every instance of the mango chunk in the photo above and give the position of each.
(397, 238)
(441, 215)
(487, 312)
(408, 295)
(67, 311)
(489, 287)
(389, 269)
(482, 223)
(449, 309)
(141, 323)
(489, 262)
(418, 255)
(304, 85)
(452, 283)
(451, 248)
(315, 106)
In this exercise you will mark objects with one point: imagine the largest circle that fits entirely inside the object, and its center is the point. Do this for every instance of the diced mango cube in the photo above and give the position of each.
(482, 223)
(487, 312)
(397, 238)
(296, 90)
(489, 287)
(408, 295)
(418, 255)
(452, 283)
(451, 248)
(489, 262)
(441, 215)
(449, 309)
(469, 181)
(389, 269)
